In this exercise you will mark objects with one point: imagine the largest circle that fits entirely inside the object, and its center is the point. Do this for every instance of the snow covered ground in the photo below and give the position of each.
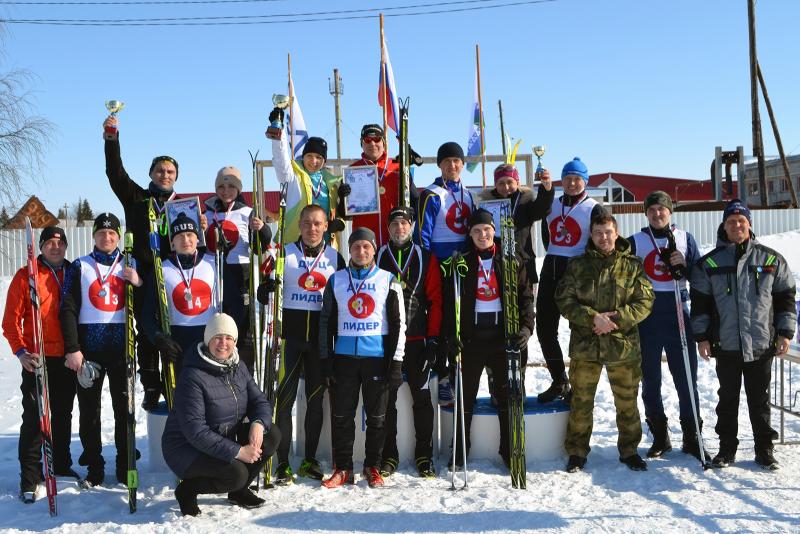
(674, 495)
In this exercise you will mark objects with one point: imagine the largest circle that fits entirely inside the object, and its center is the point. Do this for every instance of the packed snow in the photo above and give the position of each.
(673, 495)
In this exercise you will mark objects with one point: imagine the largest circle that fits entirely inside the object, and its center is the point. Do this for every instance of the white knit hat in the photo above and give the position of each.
(220, 323)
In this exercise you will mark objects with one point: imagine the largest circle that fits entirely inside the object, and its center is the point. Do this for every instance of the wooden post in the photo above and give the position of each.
(480, 113)
(777, 134)
(758, 142)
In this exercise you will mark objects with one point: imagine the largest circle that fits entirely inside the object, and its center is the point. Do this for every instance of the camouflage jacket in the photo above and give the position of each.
(594, 283)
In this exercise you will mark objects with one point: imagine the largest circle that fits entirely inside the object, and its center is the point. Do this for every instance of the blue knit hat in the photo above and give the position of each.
(577, 168)
(736, 207)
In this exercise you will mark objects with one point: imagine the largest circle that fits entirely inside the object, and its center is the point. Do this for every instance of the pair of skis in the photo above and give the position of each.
(516, 390)
(130, 377)
(40, 374)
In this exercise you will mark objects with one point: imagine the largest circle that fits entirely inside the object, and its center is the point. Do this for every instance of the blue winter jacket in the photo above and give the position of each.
(211, 402)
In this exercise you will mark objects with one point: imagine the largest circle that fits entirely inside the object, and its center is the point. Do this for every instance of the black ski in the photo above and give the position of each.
(130, 377)
(516, 393)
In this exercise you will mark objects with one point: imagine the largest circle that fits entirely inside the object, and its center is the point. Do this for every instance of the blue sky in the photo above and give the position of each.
(629, 86)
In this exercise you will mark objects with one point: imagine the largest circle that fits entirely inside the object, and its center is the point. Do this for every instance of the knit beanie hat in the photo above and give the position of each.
(229, 175)
(481, 216)
(404, 213)
(506, 171)
(159, 159)
(449, 150)
(658, 197)
(577, 168)
(363, 234)
(107, 221)
(316, 145)
(52, 232)
(371, 130)
(183, 223)
(220, 323)
(736, 207)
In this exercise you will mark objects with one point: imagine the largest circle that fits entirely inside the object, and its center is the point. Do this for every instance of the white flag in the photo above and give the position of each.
(297, 122)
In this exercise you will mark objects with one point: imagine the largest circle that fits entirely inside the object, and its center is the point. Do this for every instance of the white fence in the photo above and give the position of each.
(13, 253)
(701, 224)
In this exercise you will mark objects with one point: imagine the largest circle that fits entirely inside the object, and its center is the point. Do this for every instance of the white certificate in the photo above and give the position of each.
(363, 197)
(190, 207)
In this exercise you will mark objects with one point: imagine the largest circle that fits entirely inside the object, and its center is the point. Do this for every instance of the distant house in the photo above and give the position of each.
(777, 188)
(35, 209)
(634, 188)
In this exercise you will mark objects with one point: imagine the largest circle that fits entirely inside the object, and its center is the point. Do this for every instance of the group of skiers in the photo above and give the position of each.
(386, 316)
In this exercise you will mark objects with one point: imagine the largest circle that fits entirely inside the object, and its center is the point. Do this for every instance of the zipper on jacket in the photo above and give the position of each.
(235, 398)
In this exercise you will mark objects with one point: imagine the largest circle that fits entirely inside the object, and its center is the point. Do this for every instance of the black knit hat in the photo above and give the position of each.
(107, 221)
(404, 213)
(450, 149)
(52, 232)
(658, 197)
(159, 159)
(481, 216)
(363, 234)
(316, 145)
(183, 223)
(371, 130)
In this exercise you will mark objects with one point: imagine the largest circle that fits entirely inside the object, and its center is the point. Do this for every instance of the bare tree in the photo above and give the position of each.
(23, 135)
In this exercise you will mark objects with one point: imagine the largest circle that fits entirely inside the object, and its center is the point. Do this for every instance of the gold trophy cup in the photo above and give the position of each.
(538, 151)
(276, 127)
(114, 107)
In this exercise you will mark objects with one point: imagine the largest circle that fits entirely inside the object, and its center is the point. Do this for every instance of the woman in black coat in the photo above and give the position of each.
(206, 442)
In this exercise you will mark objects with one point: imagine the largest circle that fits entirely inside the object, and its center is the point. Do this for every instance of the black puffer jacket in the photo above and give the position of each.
(211, 401)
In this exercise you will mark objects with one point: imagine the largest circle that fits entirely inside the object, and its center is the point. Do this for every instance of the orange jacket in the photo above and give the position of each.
(19, 311)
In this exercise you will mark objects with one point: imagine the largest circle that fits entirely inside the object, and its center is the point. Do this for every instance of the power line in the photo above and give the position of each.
(139, 2)
(249, 19)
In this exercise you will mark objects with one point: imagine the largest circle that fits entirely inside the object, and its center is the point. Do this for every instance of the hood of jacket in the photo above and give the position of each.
(201, 358)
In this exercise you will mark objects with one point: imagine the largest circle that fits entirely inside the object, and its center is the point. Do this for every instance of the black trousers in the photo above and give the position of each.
(146, 353)
(548, 316)
(300, 356)
(62, 384)
(212, 475)
(488, 350)
(367, 375)
(421, 405)
(89, 405)
(235, 302)
(757, 376)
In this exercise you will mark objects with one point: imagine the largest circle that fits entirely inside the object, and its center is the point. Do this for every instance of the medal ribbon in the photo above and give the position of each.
(102, 279)
(364, 281)
(584, 196)
(161, 219)
(318, 191)
(188, 281)
(316, 260)
(487, 273)
(401, 272)
(55, 275)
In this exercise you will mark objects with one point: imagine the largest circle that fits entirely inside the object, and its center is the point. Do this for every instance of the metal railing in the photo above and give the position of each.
(785, 392)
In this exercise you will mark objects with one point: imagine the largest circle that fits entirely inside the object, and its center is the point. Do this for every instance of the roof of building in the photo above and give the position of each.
(640, 185)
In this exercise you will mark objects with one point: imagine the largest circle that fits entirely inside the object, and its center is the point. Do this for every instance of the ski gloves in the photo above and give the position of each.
(452, 346)
(430, 353)
(168, 347)
(90, 371)
(264, 289)
(345, 190)
(520, 340)
(326, 372)
(276, 115)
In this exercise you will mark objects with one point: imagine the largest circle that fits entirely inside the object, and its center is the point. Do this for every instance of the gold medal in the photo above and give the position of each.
(487, 291)
(309, 283)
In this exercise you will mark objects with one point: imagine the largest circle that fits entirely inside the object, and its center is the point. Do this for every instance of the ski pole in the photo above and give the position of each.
(689, 381)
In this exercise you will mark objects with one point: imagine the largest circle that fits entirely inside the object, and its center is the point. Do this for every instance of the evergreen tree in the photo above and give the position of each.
(87, 211)
(4, 218)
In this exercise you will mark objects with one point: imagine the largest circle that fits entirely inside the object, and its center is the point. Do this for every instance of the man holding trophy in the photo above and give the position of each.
(306, 180)
(135, 200)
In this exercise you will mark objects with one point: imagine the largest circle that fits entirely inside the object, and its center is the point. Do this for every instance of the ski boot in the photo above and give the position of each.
(388, 467)
(372, 476)
(283, 474)
(310, 468)
(339, 478)
(425, 468)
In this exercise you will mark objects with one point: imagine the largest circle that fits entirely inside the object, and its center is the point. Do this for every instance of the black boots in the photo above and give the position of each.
(186, 495)
(559, 389)
(634, 462)
(661, 443)
(766, 459)
(575, 464)
(690, 442)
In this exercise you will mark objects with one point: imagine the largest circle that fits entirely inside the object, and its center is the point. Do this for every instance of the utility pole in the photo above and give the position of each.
(502, 128)
(336, 88)
(758, 142)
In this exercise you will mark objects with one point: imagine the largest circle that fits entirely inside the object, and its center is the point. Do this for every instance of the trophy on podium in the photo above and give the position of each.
(538, 151)
(114, 107)
(276, 126)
